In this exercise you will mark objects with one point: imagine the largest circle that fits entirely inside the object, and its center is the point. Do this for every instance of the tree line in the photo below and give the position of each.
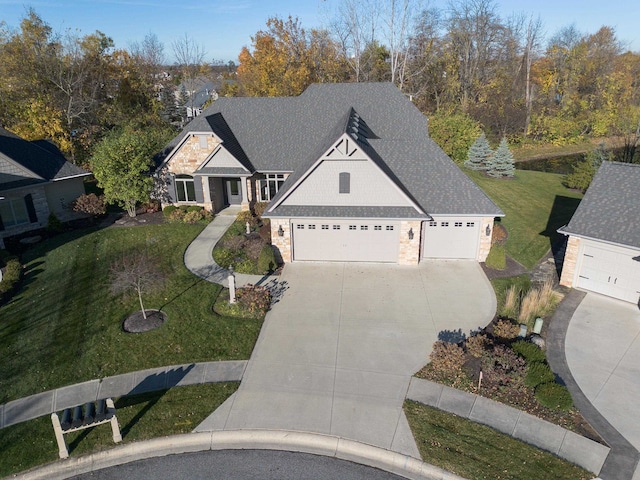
(469, 69)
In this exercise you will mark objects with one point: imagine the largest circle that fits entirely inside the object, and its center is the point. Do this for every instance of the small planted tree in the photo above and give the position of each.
(136, 272)
(479, 154)
(501, 164)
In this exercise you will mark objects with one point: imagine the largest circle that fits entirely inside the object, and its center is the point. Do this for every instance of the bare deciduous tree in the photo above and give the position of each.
(136, 271)
(189, 58)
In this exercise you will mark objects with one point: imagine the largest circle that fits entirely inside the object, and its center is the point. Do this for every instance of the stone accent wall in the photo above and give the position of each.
(485, 240)
(190, 155)
(570, 262)
(409, 251)
(282, 244)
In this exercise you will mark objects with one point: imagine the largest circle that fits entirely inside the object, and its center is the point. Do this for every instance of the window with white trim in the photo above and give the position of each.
(444, 224)
(269, 186)
(300, 226)
(344, 182)
(433, 224)
(336, 227)
(364, 227)
(457, 224)
(389, 227)
(352, 227)
(377, 227)
(185, 188)
(325, 227)
(312, 227)
(471, 224)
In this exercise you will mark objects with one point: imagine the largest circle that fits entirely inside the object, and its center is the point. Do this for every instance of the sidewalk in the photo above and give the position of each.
(198, 257)
(131, 383)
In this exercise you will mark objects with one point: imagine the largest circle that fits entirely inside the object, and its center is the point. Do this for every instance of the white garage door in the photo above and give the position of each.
(345, 240)
(611, 271)
(452, 237)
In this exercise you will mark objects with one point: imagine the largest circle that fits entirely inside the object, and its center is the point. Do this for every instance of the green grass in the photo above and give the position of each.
(536, 204)
(64, 327)
(141, 417)
(477, 452)
(497, 257)
(501, 285)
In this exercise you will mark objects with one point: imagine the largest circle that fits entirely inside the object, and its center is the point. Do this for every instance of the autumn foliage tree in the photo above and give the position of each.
(285, 59)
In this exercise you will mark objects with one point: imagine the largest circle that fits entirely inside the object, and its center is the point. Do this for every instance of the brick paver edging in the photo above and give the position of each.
(132, 383)
(565, 444)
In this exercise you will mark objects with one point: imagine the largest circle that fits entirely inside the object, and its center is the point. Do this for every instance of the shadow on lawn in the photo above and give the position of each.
(561, 212)
(149, 391)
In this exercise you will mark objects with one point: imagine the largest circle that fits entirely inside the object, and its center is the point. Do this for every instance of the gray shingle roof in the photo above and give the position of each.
(41, 161)
(289, 134)
(312, 211)
(610, 210)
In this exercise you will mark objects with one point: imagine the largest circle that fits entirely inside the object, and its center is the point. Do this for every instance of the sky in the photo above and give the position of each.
(223, 27)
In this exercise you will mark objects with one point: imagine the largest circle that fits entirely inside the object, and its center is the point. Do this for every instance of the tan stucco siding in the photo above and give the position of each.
(368, 186)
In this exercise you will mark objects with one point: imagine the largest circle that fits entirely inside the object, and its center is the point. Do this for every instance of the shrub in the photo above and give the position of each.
(476, 345)
(502, 366)
(246, 216)
(554, 396)
(511, 302)
(54, 224)
(530, 352)
(168, 210)
(539, 373)
(226, 256)
(245, 265)
(254, 299)
(236, 228)
(193, 216)
(90, 204)
(234, 243)
(497, 258)
(267, 260)
(499, 235)
(11, 276)
(447, 360)
(177, 215)
(506, 329)
(259, 208)
(194, 208)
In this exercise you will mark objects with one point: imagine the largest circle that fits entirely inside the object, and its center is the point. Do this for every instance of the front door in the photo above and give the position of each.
(234, 191)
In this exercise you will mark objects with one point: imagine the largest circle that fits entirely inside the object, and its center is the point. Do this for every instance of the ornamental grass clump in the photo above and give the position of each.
(511, 302)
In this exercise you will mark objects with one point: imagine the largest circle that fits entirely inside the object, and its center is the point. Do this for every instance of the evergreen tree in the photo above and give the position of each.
(479, 155)
(501, 164)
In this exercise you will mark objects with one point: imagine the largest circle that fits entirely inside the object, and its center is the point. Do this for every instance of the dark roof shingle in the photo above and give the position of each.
(610, 210)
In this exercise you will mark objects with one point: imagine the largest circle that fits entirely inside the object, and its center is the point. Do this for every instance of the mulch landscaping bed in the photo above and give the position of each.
(136, 323)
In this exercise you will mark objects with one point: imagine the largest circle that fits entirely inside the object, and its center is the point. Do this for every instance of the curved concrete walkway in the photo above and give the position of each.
(199, 261)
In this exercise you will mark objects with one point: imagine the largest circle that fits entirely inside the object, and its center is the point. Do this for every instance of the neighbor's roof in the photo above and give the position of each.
(610, 209)
(287, 134)
(25, 163)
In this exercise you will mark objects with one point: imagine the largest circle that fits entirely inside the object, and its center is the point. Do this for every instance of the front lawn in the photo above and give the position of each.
(478, 452)
(64, 327)
(536, 204)
(141, 417)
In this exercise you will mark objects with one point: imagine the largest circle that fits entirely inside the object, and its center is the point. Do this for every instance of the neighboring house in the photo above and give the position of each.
(35, 181)
(199, 91)
(349, 170)
(603, 249)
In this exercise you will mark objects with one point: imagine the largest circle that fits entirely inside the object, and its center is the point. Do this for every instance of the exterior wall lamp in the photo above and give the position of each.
(280, 231)
(410, 233)
(488, 230)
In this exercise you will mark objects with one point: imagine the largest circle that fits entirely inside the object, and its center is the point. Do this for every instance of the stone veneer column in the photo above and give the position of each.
(206, 193)
(282, 244)
(409, 251)
(485, 240)
(570, 262)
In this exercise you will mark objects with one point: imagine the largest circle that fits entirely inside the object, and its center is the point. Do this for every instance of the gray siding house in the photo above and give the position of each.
(349, 172)
(35, 181)
(603, 248)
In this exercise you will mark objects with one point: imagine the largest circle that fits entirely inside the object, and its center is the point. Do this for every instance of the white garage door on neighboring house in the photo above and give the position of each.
(345, 240)
(610, 270)
(451, 237)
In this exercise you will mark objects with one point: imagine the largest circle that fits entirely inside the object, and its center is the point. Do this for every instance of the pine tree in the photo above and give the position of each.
(501, 164)
(479, 154)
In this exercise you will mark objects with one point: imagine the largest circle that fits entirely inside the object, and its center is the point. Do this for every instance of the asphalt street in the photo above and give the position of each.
(241, 464)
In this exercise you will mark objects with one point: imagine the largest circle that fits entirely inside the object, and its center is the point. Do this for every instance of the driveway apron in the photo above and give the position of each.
(602, 347)
(337, 351)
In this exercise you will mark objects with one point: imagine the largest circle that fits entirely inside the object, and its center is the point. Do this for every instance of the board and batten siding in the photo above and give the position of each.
(368, 186)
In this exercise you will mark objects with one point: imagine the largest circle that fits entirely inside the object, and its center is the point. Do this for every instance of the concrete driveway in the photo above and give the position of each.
(602, 347)
(336, 353)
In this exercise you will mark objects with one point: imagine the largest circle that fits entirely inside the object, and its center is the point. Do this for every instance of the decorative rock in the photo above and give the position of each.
(538, 340)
